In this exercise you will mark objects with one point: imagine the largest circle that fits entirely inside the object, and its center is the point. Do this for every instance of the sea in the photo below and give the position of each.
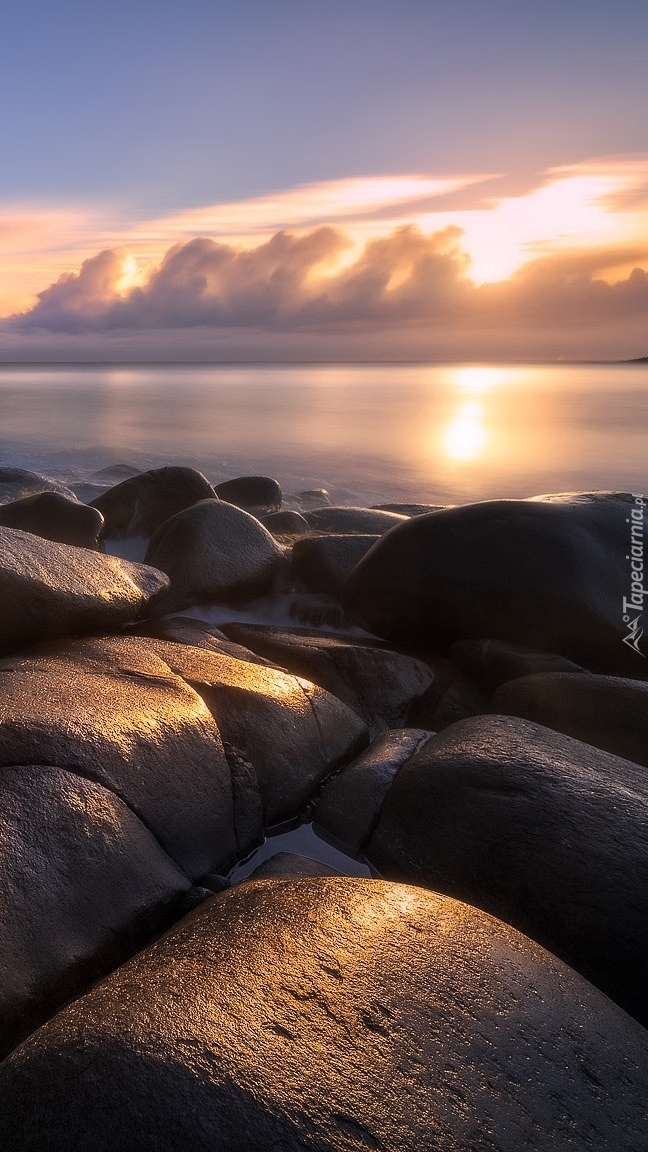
(368, 433)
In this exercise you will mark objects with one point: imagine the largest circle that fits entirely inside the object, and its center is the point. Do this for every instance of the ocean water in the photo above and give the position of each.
(368, 433)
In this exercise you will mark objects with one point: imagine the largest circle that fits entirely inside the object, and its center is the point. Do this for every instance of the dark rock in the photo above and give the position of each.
(349, 804)
(54, 517)
(314, 497)
(197, 633)
(253, 493)
(292, 732)
(607, 711)
(380, 685)
(113, 711)
(286, 523)
(332, 1014)
(115, 473)
(16, 483)
(289, 866)
(546, 832)
(409, 509)
(48, 590)
(493, 662)
(314, 611)
(322, 563)
(81, 882)
(212, 552)
(450, 698)
(353, 521)
(139, 505)
(544, 574)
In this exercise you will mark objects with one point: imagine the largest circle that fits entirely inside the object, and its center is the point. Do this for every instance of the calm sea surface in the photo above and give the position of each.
(368, 433)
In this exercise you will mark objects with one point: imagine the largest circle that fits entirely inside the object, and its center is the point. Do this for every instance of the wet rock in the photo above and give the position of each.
(452, 697)
(380, 685)
(139, 505)
(409, 509)
(286, 523)
(54, 517)
(252, 493)
(113, 711)
(290, 866)
(292, 732)
(82, 883)
(607, 711)
(212, 552)
(197, 633)
(353, 521)
(322, 563)
(48, 590)
(543, 574)
(544, 831)
(493, 662)
(313, 498)
(16, 483)
(349, 805)
(332, 1014)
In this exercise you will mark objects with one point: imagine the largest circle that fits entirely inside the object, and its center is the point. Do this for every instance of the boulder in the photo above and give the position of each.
(54, 517)
(291, 866)
(313, 497)
(49, 590)
(285, 523)
(322, 563)
(113, 711)
(16, 483)
(409, 509)
(544, 574)
(353, 521)
(197, 633)
(332, 1014)
(292, 732)
(544, 831)
(82, 883)
(380, 685)
(349, 804)
(607, 711)
(252, 493)
(139, 505)
(493, 662)
(212, 552)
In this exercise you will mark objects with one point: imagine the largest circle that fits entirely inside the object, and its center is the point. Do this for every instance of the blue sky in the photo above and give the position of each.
(117, 112)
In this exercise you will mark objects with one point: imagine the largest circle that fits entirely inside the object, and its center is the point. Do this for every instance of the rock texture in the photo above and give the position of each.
(493, 662)
(140, 504)
(54, 517)
(322, 563)
(253, 493)
(354, 521)
(16, 483)
(332, 1014)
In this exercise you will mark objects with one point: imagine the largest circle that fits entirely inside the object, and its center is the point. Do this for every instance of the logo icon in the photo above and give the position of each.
(635, 633)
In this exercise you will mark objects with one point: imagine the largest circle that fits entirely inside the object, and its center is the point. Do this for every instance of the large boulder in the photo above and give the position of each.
(547, 574)
(82, 882)
(253, 493)
(138, 506)
(286, 523)
(48, 590)
(55, 517)
(380, 685)
(608, 711)
(16, 483)
(114, 712)
(546, 832)
(336, 1015)
(353, 521)
(213, 552)
(322, 563)
(493, 662)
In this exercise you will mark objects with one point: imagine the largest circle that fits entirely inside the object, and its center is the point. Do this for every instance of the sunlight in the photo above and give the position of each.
(466, 437)
(475, 380)
(129, 278)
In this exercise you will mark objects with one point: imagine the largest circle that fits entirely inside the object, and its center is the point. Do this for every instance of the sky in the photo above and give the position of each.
(311, 179)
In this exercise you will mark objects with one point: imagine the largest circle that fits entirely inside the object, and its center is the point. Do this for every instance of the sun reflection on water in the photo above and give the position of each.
(466, 437)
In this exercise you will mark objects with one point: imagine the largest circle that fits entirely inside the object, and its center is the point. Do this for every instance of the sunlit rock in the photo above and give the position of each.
(82, 883)
(49, 590)
(253, 493)
(213, 552)
(138, 505)
(530, 825)
(54, 517)
(353, 521)
(332, 1014)
(322, 563)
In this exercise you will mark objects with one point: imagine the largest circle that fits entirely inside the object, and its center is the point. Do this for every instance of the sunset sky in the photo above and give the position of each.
(314, 179)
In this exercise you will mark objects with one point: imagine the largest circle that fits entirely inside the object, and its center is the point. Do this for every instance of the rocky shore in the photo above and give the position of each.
(456, 697)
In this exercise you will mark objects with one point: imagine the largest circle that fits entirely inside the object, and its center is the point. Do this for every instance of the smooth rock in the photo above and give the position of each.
(16, 483)
(291, 866)
(113, 711)
(493, 662)
(197, 633)
(409, 509)
(544, 574)
(380, 685)
(353, 521)
(313, 497)
(212, 552)
(350, 803)
(54, 517)
(286, 523)
(48, 590)
(253, 493)
(607, 711)
(322, 563)
(334, 1015)
(82, 883)
(139, 505)
(544, 831)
